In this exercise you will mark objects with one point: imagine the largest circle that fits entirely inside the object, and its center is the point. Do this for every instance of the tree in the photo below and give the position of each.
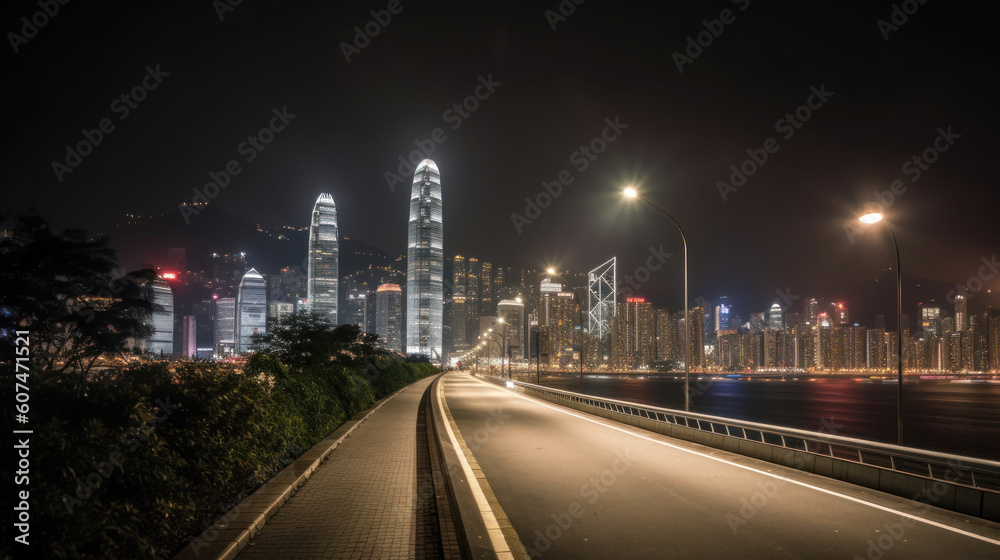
(305, 338)
(63, 289)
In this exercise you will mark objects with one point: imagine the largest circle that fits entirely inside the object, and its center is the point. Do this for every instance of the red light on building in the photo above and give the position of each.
(635, 300)
(169, 276)
(215, 296)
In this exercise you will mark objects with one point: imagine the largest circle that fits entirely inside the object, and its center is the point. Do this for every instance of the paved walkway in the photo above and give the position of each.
(362, 502)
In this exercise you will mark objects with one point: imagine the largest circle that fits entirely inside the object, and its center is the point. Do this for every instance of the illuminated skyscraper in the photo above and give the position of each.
(812, 311)
(251, 310)
(324, 257)
(774, 320)
(634, 333)
(161, 341)
(930, 319)
(512, 312)
(425, 264)
(225, 325)
(961, 312)
(389, 316)
(601, 298)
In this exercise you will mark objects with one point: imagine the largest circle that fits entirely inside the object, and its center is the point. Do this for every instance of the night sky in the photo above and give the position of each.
(607, 60)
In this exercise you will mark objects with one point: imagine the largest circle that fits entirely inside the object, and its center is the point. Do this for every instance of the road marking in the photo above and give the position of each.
(493, 529)
(765, 473)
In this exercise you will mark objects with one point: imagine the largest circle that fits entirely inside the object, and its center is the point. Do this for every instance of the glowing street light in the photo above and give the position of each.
(873, 213)
(631, 192)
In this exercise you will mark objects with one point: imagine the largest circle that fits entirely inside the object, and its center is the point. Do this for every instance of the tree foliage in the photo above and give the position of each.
(63, 289)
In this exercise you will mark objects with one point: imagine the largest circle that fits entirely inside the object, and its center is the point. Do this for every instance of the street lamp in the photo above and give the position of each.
(873, 214)
(631, 192)
(552, 272)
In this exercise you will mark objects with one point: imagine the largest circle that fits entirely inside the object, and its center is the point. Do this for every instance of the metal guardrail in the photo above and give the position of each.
(971, 472)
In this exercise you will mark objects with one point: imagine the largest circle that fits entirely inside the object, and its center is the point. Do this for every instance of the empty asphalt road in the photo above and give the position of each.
(577, 486)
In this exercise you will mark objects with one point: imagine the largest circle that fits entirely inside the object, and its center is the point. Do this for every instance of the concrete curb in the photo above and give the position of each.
(230, 534)
(479, 534)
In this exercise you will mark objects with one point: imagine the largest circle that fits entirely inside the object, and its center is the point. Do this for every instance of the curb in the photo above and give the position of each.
(231, 533)
(480, 536)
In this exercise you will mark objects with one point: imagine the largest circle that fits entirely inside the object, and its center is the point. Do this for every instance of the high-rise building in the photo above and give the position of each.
(251, 310)
(812, 311)
(722, 315)
(930, 319)
(602, 296)
(389, 316)
(556, 322)
(459, 276)
(666, 336)
(356, 312)
(189, 336)
(775, 321)
(323, 259)
(635, 333)
(161, 340)
(278, 309)
(838, 312)
(961, 312)
(486, 306)
(224, 341)
(512, 312)
(697, 342)
(425, 264)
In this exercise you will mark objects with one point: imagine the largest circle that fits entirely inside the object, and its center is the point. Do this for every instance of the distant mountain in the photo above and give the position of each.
(145, 244)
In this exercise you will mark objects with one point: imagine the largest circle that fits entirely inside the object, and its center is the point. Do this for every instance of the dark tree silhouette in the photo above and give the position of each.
(63, 289)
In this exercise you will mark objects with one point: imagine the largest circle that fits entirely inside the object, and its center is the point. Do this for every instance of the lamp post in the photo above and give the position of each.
(873, 214)
(503, 347)
(552, 272)
(630, 192)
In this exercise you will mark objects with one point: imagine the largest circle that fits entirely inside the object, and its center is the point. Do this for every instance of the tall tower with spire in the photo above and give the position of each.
(324, 259)
(425, 264)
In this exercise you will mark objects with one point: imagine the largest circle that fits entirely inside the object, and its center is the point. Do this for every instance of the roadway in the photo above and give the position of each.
(578, 486)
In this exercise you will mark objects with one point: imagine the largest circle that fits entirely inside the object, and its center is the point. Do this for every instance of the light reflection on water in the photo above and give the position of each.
(959, 418)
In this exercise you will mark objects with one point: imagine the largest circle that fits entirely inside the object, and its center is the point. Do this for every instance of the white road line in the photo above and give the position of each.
(765, 473)
(497, 539)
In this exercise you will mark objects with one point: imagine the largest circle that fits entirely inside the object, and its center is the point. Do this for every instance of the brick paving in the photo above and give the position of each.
(361, 503)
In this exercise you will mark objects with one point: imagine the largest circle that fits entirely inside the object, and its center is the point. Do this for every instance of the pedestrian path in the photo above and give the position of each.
(362, 502)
